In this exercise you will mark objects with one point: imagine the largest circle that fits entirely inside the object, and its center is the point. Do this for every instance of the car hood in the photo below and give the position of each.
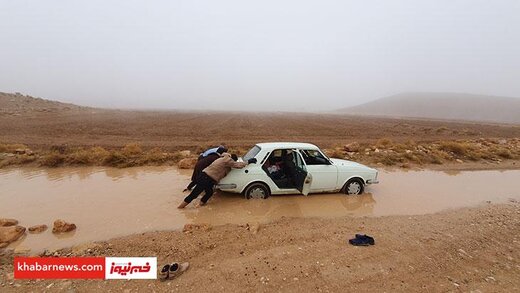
(347, 163)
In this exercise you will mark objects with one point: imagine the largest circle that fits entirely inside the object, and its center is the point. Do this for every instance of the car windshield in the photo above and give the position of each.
(314, 157)
(251, 154)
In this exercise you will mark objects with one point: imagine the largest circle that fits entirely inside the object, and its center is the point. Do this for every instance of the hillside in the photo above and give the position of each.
(452, 106)
(17, 104)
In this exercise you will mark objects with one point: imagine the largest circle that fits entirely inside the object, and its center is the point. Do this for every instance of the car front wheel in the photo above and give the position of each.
(257, 190)
(354, 186)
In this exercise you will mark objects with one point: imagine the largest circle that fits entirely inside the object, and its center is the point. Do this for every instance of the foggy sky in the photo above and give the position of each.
(256, 55)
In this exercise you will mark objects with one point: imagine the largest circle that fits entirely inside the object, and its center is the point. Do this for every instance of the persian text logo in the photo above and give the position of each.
(131, 268)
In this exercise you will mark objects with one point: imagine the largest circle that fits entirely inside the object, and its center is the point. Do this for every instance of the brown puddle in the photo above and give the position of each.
(108, 202)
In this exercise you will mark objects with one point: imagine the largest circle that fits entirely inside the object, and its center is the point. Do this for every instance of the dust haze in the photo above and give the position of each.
(262, 55)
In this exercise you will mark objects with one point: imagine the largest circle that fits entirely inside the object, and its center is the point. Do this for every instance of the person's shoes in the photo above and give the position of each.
(173, 270)
(362, 240)
(182, 205)
(185, 189)
(178, 268)
(164, 274)
(200, 204)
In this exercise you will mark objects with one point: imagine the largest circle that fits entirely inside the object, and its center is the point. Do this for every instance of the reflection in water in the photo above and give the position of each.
(232, 208)
(110, 202)
(452, 172)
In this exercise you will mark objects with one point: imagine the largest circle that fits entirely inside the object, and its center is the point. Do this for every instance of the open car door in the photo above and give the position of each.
(303, 179)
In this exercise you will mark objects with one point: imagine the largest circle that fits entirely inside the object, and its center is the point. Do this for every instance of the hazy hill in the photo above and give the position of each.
(452, 106)
(17, 104)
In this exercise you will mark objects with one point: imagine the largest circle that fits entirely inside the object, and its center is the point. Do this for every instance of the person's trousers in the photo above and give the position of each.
(191, 185)
(204, 183)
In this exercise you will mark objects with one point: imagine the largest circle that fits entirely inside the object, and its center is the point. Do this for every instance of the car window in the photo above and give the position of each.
(251, 153)
(297, 160)
(314, 157)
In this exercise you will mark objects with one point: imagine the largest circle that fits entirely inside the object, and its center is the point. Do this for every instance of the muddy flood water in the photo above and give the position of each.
(108, 202)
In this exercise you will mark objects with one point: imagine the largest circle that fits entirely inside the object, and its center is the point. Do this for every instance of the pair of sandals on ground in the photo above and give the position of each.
(170, 271)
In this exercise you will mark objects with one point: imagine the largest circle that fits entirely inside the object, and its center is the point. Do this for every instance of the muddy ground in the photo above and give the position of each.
(96, 137)
(475, 249)
(191, 130)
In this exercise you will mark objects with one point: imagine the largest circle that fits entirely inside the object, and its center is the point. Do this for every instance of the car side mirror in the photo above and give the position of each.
(252, 161)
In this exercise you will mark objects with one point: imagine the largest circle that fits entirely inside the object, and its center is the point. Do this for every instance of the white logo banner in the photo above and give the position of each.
(130, 268)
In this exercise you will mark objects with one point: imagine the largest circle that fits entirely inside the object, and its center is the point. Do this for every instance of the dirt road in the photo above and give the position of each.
(468, 250)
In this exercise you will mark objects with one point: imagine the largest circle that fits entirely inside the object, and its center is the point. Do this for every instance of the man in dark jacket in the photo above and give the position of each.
(211, 176)
(202, 163)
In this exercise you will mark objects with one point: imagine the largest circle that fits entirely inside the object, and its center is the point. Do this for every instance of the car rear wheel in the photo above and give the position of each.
(257, 190)
(353, 186)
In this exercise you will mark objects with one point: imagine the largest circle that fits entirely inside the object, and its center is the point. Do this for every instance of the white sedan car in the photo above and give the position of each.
(293, 168)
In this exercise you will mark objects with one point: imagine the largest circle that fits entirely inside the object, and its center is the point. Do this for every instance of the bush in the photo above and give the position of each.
(10, 148)
(52, 160)
(79, 157)
(132, 149)
(384, 143)
(154, 156)
(455, 147)
(388, 160)
(505, 154)
(335, 153)
(99, 154)
(115, 159)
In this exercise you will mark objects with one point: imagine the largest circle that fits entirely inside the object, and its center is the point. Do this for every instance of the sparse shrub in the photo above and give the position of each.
(388, 160)
(441, 129)
(177, 156)
(99, 154)
(384, 143)
(132, 149)
(487, 156)
(505, 154)
(79, 157)
(115, 159)
(334, 153)
(52, 160)
(154, 156)
(435, 159)
(61, 149)
(398, 147)
(454, 147)
(11, 148)
(473, 155)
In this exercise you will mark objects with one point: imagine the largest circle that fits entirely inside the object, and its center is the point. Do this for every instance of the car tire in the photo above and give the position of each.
(353, 187)
(257, 190)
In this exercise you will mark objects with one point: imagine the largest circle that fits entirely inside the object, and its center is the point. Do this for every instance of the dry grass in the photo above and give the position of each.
(128, 156)
(456, 148)
(410, 153)
(383, 152)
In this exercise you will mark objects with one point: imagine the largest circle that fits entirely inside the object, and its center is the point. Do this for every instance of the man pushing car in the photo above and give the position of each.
(210, 176)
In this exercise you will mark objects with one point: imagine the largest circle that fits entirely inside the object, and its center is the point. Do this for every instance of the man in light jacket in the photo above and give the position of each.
(205, 159)
(210, 176)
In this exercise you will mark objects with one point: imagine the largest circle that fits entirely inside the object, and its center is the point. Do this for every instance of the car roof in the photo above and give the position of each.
(287, 145)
